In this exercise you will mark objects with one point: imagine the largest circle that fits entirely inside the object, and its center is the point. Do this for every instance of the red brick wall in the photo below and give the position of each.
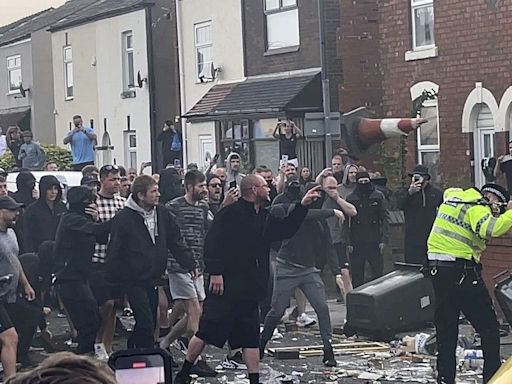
(495, 260)
(474, 46)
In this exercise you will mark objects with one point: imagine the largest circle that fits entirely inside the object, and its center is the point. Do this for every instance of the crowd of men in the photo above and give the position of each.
(226, 251)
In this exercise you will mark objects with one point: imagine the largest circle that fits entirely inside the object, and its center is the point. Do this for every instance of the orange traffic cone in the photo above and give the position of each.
(361, 133)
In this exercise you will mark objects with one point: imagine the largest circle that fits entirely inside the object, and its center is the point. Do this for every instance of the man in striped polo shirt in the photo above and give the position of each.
(109, 203)
(191, 215)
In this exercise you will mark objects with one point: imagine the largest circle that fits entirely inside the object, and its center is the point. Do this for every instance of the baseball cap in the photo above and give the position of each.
(7, 202)
(90, 179)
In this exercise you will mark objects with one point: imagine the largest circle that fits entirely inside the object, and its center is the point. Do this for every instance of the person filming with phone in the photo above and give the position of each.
(419, 201)
(82, 140)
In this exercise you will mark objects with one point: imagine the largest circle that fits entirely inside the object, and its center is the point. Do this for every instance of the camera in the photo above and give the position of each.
(417, 178)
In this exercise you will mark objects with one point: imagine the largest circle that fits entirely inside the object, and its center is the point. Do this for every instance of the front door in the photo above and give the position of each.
(484, 142)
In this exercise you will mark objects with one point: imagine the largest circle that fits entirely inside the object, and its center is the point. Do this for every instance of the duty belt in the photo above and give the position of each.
(462, 265)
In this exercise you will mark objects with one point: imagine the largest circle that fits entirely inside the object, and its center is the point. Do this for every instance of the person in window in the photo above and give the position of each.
(504, 165)
(172, 148)
(82, 140)
(287, 133)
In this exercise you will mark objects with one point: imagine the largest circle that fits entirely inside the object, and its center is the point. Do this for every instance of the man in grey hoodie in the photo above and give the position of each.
(31, 154)
(233, 163)
(142, 235)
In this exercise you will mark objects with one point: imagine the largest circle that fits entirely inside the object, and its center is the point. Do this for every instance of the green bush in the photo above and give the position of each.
(53, 153)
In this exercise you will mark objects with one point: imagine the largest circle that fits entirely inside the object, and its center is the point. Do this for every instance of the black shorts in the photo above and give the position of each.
(102, 289)
(341, 251)
(5, 319)
(225, 320)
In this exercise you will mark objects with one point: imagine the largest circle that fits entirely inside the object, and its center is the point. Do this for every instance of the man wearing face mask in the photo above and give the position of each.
(76, 237)
(368, 230)
(464, 222)
(299, 263)
(419, 202)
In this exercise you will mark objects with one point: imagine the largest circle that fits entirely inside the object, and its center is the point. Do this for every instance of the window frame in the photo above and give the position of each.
(428, 148)
(67, 96)
(274, 11)
(417, 4)
(131, 150)
(11, 91)
(128, 84)
(198, 46)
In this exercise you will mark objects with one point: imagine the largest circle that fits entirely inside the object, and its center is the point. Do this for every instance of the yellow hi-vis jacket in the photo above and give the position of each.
(461, 230)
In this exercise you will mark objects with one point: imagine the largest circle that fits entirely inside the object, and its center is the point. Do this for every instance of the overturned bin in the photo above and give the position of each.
(400, 301)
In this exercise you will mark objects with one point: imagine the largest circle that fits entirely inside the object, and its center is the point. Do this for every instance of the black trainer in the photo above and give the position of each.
(328, 359)
(202, 369)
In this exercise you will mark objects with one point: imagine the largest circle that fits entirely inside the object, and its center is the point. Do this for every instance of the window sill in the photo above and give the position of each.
(280, 51)
(12, 93)
(128, 94)
(69, 98)
(421, 53)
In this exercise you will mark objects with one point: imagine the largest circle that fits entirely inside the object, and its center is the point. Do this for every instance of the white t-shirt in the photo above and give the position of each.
(3, 145)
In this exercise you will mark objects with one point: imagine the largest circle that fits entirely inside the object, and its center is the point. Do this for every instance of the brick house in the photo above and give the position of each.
(282, 65)
(459, 50)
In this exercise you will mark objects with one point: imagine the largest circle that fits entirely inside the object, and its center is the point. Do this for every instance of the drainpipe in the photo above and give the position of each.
(151, 88)
(183, 104)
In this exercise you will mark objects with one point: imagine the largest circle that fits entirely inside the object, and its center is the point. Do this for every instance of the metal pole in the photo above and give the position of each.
(325, 84)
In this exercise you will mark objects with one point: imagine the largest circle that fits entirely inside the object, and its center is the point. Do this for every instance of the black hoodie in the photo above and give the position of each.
(76, 238)
(39, 220)
(25, 183)
(170, 185)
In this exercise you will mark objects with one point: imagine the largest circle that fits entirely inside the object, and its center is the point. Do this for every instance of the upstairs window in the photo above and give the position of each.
(14, 73)
(128, 68)
(204, 51)
(68, 72)
(282, 18)
(422, 23)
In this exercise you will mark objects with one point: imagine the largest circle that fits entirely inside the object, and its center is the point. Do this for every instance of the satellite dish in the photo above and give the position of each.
(23, 91)
(140, 80)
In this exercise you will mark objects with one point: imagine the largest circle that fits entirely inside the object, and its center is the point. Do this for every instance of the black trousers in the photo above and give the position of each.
(365, 253)
(25, 316)
(144, 303)
(471, 297)
(83, 310)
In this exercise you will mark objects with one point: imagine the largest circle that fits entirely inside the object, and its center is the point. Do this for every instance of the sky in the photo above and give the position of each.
(12, 10)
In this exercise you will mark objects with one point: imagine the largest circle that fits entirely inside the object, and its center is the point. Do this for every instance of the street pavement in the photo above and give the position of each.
(391, 366)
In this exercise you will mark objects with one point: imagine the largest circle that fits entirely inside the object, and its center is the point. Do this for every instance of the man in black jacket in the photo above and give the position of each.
(42, 217)
(236, 256)
(419, 202)
(368, 230)
(299, 263)
(142, 235)
(74, 246)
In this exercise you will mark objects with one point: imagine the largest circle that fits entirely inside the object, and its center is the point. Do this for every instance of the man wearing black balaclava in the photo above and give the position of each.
(297, 266)
(76, 238)
(368, 230)
(26, 194)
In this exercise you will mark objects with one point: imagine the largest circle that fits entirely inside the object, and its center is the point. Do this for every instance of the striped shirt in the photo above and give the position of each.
(107, 209)
(193, 223)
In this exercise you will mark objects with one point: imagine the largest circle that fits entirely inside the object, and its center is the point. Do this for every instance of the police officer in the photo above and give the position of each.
(464, 222)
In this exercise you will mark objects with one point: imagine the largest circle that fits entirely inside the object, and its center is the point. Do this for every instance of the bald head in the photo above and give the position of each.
(250, 181)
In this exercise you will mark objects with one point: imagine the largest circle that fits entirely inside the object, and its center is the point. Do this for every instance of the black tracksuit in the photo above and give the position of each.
(420, 211)
(135, 262)
(39, 220)
(74, 246)
(367, 230)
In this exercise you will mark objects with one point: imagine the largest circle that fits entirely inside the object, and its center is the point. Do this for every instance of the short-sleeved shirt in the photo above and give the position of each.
(288, 146)
(82, 148)
(506, 168)
(9, 264)
(107, 209)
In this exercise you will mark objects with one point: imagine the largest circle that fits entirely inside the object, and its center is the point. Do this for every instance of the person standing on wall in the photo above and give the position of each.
(172, 144)
(82, 141)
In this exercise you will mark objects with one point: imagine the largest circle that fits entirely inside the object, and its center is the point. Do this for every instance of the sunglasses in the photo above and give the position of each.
(215, 185)
(109, 168)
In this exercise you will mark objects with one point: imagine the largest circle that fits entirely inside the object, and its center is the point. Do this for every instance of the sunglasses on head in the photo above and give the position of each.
(110, 168)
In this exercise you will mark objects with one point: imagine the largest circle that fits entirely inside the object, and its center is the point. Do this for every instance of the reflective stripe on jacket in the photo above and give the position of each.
(461, 229)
